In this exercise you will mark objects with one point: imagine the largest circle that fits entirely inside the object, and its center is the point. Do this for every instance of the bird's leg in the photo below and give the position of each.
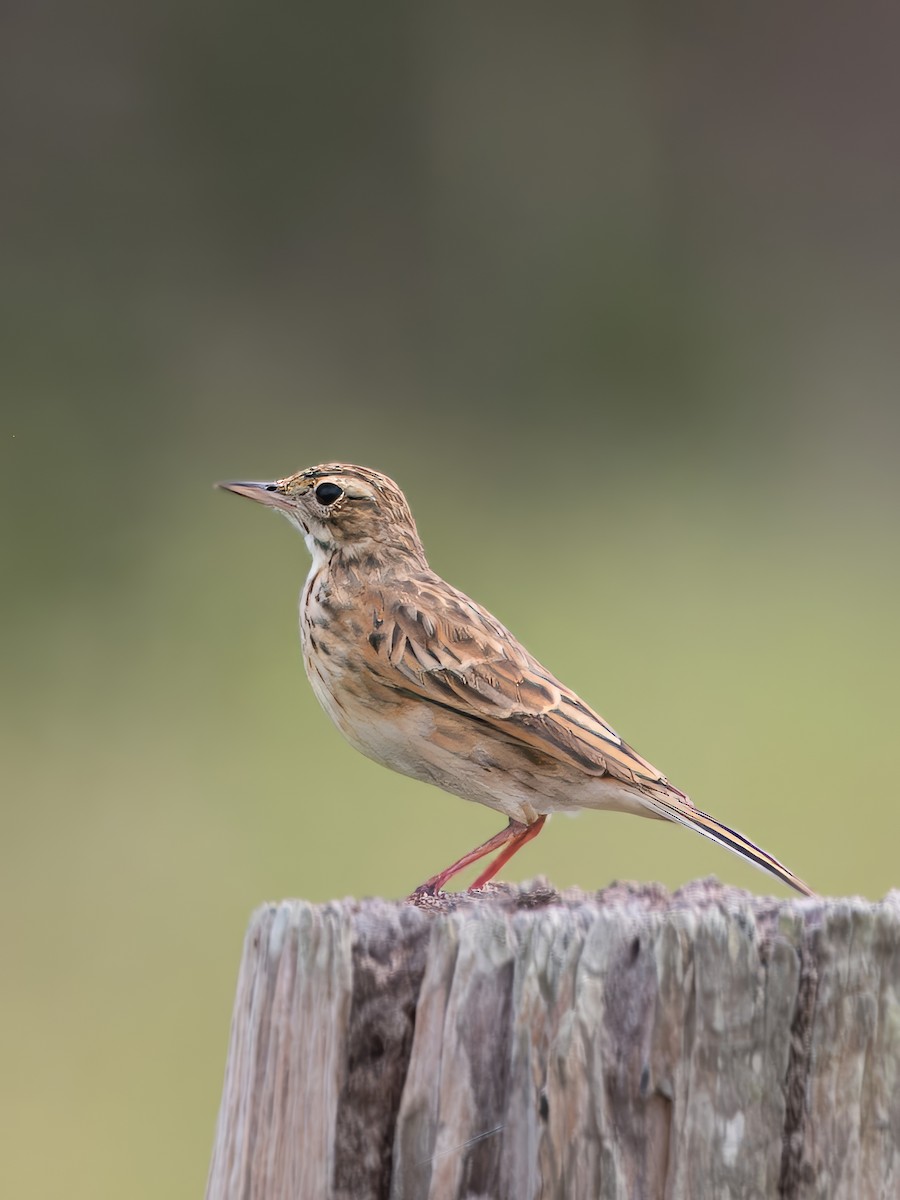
(525, 834)
(433, 885)
(513, 837)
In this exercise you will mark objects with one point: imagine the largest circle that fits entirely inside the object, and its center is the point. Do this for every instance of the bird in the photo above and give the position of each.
(425, 681)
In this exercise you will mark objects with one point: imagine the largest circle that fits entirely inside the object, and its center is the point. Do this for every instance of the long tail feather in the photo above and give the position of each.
(692, 818)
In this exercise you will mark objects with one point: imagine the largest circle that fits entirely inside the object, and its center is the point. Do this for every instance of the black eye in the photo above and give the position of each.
(327, 493)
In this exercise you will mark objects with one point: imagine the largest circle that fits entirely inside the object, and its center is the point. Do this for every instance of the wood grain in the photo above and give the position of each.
(521, 1043)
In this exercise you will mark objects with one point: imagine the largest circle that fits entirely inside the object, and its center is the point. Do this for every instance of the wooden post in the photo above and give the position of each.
(525, 1044)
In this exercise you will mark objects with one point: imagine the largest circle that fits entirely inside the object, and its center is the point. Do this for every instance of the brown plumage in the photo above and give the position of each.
(423, 680)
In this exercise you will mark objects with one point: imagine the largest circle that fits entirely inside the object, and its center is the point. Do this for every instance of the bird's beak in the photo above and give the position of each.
(268, 493)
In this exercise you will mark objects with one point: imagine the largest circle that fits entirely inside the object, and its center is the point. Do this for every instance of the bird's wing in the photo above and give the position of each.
(436, 643)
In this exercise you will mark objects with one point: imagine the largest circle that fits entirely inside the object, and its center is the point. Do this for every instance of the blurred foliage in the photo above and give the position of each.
(610, 291)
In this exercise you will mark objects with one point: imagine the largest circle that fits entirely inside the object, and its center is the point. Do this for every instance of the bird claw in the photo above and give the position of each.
(426, 889)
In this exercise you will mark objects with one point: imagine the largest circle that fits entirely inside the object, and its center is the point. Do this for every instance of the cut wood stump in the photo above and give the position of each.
(521, 1043)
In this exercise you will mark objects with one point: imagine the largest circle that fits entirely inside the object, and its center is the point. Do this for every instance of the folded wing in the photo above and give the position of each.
(441, 646)
(437, 644)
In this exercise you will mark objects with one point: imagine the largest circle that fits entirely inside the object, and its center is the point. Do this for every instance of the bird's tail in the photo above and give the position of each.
(674, 806)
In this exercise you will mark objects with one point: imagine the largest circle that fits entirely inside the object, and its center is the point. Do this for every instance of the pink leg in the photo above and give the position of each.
(527, 833)
(513, 837)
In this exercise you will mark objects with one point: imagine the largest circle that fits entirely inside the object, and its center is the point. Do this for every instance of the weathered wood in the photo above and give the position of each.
(523, 1043)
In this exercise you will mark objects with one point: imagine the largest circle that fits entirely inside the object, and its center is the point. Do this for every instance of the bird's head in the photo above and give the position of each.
(352, 511)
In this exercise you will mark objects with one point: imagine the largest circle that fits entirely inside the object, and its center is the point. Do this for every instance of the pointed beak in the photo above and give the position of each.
(268, 493)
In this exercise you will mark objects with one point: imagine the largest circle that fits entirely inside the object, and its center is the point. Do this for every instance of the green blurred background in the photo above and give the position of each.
(611, 291)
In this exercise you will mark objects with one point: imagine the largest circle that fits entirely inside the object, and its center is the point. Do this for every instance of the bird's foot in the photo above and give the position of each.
(428, 888)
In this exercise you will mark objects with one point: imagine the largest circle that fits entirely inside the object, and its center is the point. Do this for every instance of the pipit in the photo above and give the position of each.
(423, 680)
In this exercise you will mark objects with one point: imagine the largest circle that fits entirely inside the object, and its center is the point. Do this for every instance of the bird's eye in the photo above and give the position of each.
(327, 493)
